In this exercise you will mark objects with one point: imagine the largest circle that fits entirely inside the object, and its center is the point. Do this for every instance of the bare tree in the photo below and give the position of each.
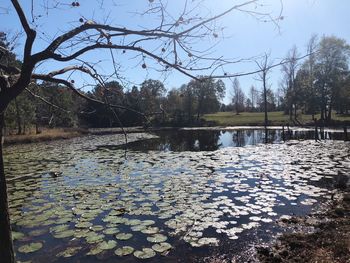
(169, 43)
(238, 96)
(253, 95)
(264, 66)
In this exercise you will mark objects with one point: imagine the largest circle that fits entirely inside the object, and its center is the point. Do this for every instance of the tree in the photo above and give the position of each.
(111, 93)
(173, 35)
(151, 93)
(265, 66)
(289, 70)
(331, 68)
(208, 93)
(188, 101)
(254, 96)
(20, 113)
(318, 85)
(238, 97)
(271, 100)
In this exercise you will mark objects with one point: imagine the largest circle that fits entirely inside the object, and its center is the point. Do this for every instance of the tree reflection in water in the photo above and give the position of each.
(211, 140)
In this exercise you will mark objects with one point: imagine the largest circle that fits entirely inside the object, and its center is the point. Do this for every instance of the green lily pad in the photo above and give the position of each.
(148, 222)
(17, 235)
(161, 247)
(81, 233)
(96, 228)
(38, 232)
(29, 248)
(157, 238)
(64, 234)
(83, 225)
(106, 245)
(92, 237)
(150, 230)
(124, 251)
(145, 253)
(59, 228)
(123, 236)
(133, 222)
(138, 228)
(94, 251)
(111, 231)
(69, 252)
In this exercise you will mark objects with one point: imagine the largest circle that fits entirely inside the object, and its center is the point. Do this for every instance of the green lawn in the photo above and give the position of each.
(257, 118)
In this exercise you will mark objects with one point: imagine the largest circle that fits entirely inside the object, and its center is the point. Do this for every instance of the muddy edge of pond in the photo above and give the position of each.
(323, 236)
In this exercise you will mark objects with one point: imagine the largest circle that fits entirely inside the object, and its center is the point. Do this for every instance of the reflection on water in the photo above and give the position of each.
(212, 140)
(78, 195)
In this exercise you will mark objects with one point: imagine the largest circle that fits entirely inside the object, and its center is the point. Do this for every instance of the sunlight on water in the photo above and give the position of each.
(81, 200)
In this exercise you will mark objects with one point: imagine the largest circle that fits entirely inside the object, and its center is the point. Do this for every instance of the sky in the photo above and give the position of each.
(243, 35)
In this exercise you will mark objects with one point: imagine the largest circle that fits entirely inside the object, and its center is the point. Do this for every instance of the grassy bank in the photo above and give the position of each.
(257, 118)
(68, 133)
(45, 135)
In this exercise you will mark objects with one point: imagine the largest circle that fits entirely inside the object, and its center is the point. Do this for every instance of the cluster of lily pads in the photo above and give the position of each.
(107, 201)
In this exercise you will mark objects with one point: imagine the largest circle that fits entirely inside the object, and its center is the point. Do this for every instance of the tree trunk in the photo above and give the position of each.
(199, 110)
(265, 100)
(329, 117)
(6, 247)
(18, 118)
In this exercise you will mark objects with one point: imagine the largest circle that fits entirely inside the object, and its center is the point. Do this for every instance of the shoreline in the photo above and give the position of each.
(69, 133)
(327, 242)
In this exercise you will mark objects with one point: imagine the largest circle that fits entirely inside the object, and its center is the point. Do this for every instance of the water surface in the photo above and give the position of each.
(193, 192)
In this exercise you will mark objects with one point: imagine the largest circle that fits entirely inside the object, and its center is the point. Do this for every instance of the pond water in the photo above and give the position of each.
(211, 140)
(178, 197)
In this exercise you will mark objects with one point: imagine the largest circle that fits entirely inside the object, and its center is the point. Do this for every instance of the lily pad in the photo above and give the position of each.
(124, 251)
(83, 225)
(92, 237)
(106, 245)
(29, 248)
(150, 230)
(111, 231)
(123, 236)
(64, 234)
(161, 247)
(37, 232)
(138, 228)
(69, 252)
(145, 253)
(17, 235)
(96, 228)
(59, 228)
(148, 222)
(95, 251)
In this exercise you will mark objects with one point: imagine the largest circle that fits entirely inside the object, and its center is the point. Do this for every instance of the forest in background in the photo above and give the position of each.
(318, 84)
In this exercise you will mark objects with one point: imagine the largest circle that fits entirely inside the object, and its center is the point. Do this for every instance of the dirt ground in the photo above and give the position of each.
(323, 237)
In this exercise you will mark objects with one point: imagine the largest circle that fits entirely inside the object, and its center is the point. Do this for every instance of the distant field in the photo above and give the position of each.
(257, 118)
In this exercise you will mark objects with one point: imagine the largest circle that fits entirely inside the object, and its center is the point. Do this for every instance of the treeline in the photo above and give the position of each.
(318, 84)
(48, 105)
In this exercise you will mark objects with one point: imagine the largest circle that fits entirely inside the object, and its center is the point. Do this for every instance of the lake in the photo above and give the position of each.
(170, 196)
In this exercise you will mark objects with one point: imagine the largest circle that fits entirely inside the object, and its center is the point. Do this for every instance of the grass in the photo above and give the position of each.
(45, 135)
(257, 118)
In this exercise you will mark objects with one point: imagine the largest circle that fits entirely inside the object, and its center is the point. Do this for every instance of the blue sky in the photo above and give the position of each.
(243, 35)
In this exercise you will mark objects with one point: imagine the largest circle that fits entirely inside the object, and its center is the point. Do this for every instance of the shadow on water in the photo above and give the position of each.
(212, 140)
